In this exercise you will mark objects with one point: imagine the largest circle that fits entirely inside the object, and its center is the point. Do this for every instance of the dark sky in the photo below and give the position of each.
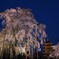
(45, 11)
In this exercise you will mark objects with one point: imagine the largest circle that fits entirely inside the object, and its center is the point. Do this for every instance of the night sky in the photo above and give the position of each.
(45, 11)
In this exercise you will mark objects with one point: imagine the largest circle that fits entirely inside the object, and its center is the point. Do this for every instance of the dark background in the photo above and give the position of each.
(45, 11)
